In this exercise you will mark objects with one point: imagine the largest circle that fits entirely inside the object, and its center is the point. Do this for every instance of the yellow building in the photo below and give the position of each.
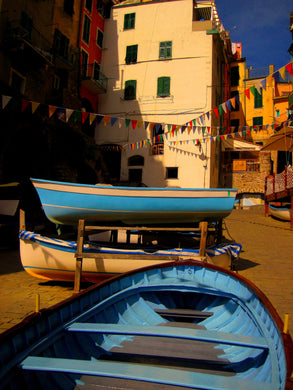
(166, 63)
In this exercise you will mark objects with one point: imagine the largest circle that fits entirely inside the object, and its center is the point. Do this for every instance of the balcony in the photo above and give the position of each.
(29, 45)
(157, 149)
(93, 79)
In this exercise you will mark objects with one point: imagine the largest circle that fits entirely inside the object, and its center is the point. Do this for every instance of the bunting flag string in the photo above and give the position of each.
(195, 125)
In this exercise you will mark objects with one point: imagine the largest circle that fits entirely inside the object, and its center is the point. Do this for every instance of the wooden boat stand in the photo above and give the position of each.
(82, 229)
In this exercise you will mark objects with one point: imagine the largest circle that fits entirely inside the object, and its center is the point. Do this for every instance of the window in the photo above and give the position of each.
(258, 121)
(233, 94)
(235, 76)
(129, 21)
(68, 7)
(61, 44)
(130, 90)
(88, 5)
(131, 54)
(84, 63)
(96, 71)
(86, 29)
(165, 50)
(101, 7)
(136, 160)
(163, 87)
(100, 37)
(258, 99)
(172, 173)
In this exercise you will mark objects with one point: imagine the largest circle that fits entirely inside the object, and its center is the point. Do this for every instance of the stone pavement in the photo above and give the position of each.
(266, 259)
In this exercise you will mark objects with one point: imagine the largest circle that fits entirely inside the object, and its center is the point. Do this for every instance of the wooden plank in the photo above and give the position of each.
(203, 238)
(147, 228)
(175, 332)
(133, 256)
(194, 380)
(184, 313)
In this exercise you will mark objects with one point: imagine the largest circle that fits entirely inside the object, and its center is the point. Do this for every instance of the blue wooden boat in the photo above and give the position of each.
(66, 203)
(173, 326)
(54, 259)
(281, 213)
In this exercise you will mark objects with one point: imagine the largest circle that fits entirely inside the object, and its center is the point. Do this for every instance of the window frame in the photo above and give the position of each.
(86, 30)
(169, 174)
(235, 76)
(128, 85)
(100, 38)
(163, 86)
(164, 47)
(129, 21)
(258, 98)
(257, 121)
(131, 54)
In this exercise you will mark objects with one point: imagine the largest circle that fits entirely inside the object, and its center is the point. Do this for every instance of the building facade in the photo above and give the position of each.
(166, 63)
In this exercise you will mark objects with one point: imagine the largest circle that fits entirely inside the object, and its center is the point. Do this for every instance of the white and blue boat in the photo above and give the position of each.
(66, 203)
(174, 326)
(54, 259)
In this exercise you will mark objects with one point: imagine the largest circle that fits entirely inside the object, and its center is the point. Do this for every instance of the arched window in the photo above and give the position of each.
(136, 161)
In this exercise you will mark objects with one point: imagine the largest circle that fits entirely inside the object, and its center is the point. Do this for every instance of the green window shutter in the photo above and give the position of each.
(130, 90)
(129, 21)
(165, 50)
(163, 87)
(257, 99)
(258, 121)
(131, 54)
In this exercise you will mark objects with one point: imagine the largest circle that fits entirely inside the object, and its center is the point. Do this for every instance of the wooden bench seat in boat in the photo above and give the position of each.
(141, 372)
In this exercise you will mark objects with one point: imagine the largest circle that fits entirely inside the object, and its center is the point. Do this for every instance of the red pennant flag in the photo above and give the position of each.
(289, 68)
(84, 116)
(24, 104)
(133, 123)
(52, 109)
(216, 111)
(247, 93)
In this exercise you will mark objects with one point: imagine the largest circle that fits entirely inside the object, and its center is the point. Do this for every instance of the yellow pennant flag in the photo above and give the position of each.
(106, 119)
(139, 124)
(92, 117)
(282, 72)
(35, 105)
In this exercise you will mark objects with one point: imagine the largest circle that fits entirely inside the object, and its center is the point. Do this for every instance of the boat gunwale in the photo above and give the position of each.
(43, 314)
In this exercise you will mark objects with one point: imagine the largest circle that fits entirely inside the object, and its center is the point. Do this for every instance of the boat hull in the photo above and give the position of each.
(54, 259)
(282, 213)
(66, 203)
(128, 332)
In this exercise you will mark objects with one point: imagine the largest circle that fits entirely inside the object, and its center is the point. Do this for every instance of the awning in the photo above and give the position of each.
(230, 144)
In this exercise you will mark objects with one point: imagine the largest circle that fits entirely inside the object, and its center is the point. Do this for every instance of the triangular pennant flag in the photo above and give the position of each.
(146, 125)
(264, 84)
(5, 100)
(151, 126)
(220, 110)
(216, 111)
(35, 105)
(84, 116)
(169, 127)
(224, 107)
(99, 118)
(133, 123)
(24, 104)
(106, 119)
(247, 93)
(77, 115)
(289, 68)
(252, 90)
(258, 87)
(127, 122)
(92, 117)
(228, 105)
(183, 128)
(139, 124)
(237, 99)
(233, 102)
(157, 127)
(68, 113)
(113, 120)
(208, 115)
(52, 109)
(276, 76)
(282, 72)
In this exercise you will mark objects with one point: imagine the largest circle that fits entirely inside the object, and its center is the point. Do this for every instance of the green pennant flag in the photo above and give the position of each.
(220, 109)
(127, 122)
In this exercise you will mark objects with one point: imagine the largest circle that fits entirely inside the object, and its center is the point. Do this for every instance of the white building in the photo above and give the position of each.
(166, 62)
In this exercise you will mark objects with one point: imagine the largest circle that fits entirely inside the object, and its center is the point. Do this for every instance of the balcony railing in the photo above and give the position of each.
(246, 165)
(15, 32)
(157, 149)
(93, 79)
